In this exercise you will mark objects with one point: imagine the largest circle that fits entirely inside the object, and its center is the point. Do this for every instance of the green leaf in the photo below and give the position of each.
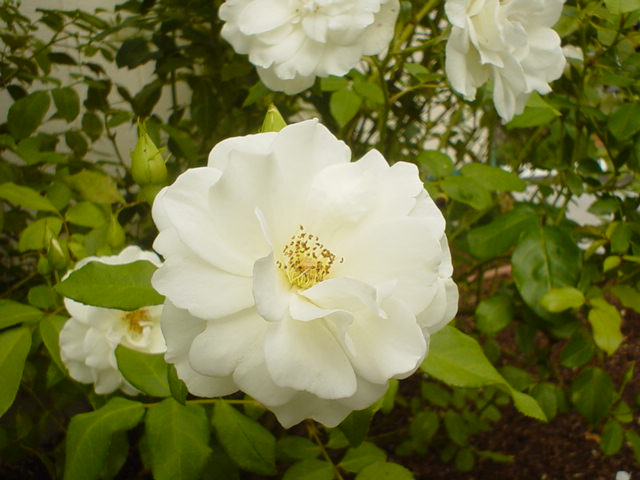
(545, 258)
(297, 448)
(67, 103)
(592, 393)
(628, 296)
(26, 197)
(26, 114)
(250, 445)
(331, 83)
(85, 214)
(50, 328)
(498, 236)
(185, 143)
(577, 352)
(310, 469)
(634, 442)
(273, 121)
(618, 7)
(435, 394)
(178, 440)
(89, 436)
(95, 187)
(146, 372)
(13, 313)
(177, 387)
(435, 163)
(456, 428)
(42, 296)
(92, 125)
(560, 299)
(493, 178)
(424, 426)
(123, 287)
(623, 121)
(546, 394)
(458, 360)
(467, 190)
(369, 91)
(359, 457)
(494, 314)
(39, 233)
(344, 105)
(356, 425)
(14, 348)
(419, 72)
(537, 112)
(464, 460)
(384, 471)
(612, 438)
(132, 53)
(605, 321)
(611, 262)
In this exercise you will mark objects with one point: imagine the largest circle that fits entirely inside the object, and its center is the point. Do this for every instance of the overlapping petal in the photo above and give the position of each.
(294, 42)
(350, 274)
(511, 42)
(89, 338)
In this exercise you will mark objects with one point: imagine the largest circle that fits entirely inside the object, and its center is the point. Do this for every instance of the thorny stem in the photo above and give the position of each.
(18, 284)
(313, 433)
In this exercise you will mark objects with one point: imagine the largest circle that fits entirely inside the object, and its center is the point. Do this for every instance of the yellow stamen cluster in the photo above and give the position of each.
(136, 321)
(307, 261)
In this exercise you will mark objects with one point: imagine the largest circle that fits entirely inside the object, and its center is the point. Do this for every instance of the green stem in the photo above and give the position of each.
(313, 433)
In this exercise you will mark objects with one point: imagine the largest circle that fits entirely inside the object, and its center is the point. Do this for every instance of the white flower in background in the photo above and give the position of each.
(510, 42)
(292, 42)
(298, 277)
(89, 338)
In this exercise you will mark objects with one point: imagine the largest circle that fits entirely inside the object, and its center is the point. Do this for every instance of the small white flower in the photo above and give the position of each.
(89, 338)
(298, 277)
(292, 42)
(510, 42)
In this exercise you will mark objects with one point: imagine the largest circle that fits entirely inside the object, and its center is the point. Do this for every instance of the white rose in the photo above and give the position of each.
(89, 338)
(510, 42)
(298, 277)
(294, 41)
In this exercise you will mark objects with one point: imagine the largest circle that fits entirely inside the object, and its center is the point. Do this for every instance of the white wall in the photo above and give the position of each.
(133, 80)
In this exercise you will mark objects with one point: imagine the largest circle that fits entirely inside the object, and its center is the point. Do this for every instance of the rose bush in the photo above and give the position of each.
(298, 277)
(511, 43)
(293, 42)
(89, 338)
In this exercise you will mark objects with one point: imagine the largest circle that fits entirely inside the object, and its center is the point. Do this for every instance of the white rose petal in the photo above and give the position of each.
(292, 42)
(89, 338)
(510, 42)
(298, 277)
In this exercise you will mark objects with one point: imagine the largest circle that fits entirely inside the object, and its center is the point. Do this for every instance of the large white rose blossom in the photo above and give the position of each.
(298, 277)
(89, 338)
(292, 42)
(510, 42)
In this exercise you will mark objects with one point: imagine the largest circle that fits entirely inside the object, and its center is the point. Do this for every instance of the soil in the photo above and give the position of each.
(564, 449)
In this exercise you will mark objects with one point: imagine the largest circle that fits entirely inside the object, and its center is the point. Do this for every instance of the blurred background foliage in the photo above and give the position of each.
(543, 219)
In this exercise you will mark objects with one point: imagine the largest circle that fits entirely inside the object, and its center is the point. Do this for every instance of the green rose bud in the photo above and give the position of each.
(273, 121)
(115, 234)
(43, 267)
(147, 164)
(58, 254)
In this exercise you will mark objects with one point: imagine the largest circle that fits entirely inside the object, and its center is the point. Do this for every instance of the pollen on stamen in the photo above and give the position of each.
(136, 321)
(307, 261)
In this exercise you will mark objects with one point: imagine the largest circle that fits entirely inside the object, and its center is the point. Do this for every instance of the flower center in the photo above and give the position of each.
(136, 320)
(307, 260)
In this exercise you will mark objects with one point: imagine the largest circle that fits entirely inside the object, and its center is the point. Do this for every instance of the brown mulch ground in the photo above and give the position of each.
(564, 449)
